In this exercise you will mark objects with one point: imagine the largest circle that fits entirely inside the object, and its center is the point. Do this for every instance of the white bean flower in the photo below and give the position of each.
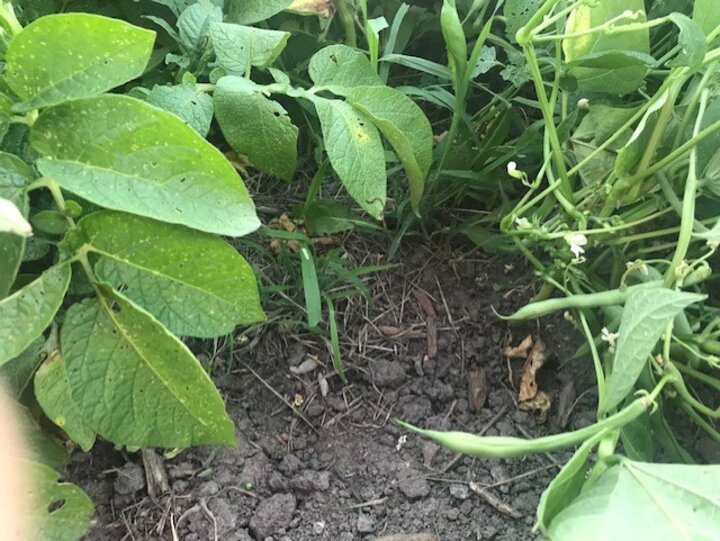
(576, 242)
(12, 220)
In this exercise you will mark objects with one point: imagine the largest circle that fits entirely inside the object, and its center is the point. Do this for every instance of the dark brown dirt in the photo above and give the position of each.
(354, 474)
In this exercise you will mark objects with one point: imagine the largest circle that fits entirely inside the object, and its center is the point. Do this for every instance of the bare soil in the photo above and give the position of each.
(319, 459)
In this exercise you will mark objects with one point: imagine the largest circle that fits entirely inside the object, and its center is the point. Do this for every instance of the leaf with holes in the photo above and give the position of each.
(60, 511)
(75, 55)
(256, 126)
(240, 47)
(136, 384)
(192, 107)
(193, 283)
(340, 68)
(123, 154)
(518, 13)
(25, 314)
(52, 392)
(402, 123)
(356, 153)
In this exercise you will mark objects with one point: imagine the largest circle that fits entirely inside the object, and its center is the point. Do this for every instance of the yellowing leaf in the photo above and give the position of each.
(321, 8)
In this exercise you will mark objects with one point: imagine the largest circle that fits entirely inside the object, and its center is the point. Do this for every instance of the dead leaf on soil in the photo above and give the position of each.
(521, 351)
(430, 322)
(477, 389)
(391, 331)
(540, 403)
(535, 360)
(425, 303)
(321, 8)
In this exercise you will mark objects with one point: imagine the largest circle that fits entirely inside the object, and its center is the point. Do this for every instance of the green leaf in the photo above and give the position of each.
(75, 55)
(706, 13)
(149, 163)
(646, 315)
(518, 13)
(194, 26)
(340, 68)
(239, 47)
(637, 439)
(328, 217)
(136, 384)
(184, 101)
(691, 40)
(256, 126)
(619, 80)
(61, 511)
(193, 283)
(25, 314)
(566, 486)
(15, 175)
(404, 124)
(311, 288)
(455, 40)
(52, 392)
(356, 153)
(50, 222)
(254, 11)
(610, 60)
(636, 500)
(18, 372)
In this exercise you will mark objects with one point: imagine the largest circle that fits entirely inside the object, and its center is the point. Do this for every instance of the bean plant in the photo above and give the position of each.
(619, 218)
(116, 210)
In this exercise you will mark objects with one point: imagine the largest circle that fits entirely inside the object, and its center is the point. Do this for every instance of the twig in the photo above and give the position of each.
(494, 501)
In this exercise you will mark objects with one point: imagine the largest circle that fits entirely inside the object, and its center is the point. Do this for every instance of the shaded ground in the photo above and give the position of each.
(343, 471)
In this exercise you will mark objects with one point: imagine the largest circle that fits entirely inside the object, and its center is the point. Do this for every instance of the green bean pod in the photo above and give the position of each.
(508, 447)
(588, 300)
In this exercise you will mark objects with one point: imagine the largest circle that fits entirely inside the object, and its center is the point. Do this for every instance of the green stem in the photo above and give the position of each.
(346, 12)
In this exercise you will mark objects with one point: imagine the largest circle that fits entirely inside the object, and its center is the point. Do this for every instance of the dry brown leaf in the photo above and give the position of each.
(425, 303)
(477, 389)
(321, 8)
(391, 331)
(431, 338)
(540, 403)
(535, 360)
(521, 351)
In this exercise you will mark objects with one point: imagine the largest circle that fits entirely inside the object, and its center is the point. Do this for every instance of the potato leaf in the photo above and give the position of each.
(402, 123)
(239, 47)
(75, 55)
(254, 11)
(123, 154)
(193, 283)
(192, 107)
(356, 153)
(25, 314)
(340, 68)
(52, 392)
(256, 126)
(136, 384)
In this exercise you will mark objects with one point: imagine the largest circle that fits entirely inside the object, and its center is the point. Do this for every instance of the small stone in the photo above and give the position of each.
(272, 515)
(414, 489)
(460, 492)
(346, 536)
(290, 464)
(315, 410)
(453, 514)
(130, 479)
(386, 373)
(209, 488)
(318, 527)
(310, 481)
(365, 523)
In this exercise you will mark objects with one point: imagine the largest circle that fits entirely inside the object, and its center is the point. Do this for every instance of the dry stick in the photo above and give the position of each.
(494, 501)
(157, 480)
(487, 427)
(281, 397)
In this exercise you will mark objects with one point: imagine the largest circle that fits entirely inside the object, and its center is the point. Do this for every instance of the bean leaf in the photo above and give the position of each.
(646, 315)
(706, 13)
(404, 124)
(75, 55)
(254, 11)
(192, 107)
(356, 153)
(621, 79)
(25, 314)
(193, 283)
(691, 40)
(52, 392)
(14, 177)
(136, 384)
(637, 500)
(256, 126)
(123, 154)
